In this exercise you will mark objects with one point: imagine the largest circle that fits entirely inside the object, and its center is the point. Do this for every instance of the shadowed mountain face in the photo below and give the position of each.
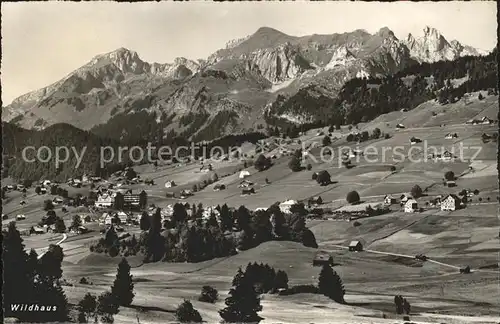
(230, 90)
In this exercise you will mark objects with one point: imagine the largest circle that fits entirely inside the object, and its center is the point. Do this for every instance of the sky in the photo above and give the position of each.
(44, 41)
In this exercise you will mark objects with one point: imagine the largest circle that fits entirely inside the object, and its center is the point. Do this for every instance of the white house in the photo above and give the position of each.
(286, 205)
(107, 219)
(170, 184)
(404, 198)
(208, 211)
(399, 126)
(244, 174)
(411, 206)
(451, 136)
(104, 200)
(447, 156)
(245, 184)
(123, 217)
(486, 121)
(450, 203)
(389, 200)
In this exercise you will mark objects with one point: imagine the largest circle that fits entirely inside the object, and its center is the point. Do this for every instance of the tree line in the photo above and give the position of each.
(189, 238)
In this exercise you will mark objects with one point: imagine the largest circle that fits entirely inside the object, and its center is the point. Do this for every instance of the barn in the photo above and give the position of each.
(355, 246)
(244, 174)
(322, 258)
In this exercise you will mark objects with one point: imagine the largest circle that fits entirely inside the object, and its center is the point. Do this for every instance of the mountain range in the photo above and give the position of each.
(230, 91)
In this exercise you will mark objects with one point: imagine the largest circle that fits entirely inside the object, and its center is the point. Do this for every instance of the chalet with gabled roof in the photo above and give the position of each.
(450, 203)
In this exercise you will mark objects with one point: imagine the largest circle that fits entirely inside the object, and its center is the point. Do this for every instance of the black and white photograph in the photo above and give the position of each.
(330, 162)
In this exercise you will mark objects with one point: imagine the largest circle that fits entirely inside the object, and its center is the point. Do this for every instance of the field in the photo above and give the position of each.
(437, 291)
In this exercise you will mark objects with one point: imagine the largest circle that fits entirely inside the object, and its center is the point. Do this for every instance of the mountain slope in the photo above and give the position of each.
(263, 73)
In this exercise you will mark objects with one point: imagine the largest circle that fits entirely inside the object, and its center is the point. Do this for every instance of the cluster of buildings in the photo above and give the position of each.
(106, 198)
(450, 202)
(483, 121)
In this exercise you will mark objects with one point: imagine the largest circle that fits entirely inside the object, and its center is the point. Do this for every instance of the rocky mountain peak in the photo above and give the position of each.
(385, 32)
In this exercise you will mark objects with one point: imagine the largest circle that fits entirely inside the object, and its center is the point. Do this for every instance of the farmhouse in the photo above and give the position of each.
(411, 206)
(451, 136)
(244, 174)
(389, 200)
(415, 140)
(77, 183)
(186, 193)
(170, 184)
(317, 200)
(450, 203)
(37, 230)
(486, 121)
(207, 212)
(451, 183)
(245, 184)
(247, 191)
(123, 217)
(286, 205)
(206, 168)
(107, 219)
(355, 246)
(400, 126)
(104, 200)
(57, 200)
(322, 258)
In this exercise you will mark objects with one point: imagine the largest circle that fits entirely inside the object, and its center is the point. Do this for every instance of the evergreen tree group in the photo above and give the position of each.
(28, 279)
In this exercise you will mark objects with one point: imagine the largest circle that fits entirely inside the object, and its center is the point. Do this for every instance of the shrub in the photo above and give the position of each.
(262, 163)
(323, 178)
(294, 164)
(353, 197)
(208, 295)
(309, 166)
(450, 176)
(326, 141)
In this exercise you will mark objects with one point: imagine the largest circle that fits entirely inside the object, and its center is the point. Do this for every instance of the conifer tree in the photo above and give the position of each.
(243, 304)
(281, 280)
(237, 277)
(330, 284)
(15, 271)
(123, 287)
(145, 222)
